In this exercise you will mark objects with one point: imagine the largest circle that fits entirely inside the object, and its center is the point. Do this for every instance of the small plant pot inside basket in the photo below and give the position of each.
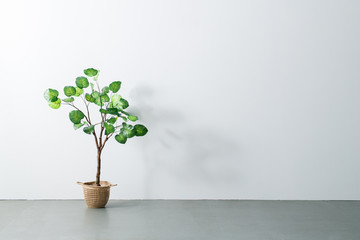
(96, 196)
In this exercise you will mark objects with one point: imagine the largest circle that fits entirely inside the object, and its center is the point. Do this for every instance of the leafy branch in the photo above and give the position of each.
(111, 109)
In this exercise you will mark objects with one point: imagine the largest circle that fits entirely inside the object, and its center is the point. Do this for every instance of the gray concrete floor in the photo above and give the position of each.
(175, 220)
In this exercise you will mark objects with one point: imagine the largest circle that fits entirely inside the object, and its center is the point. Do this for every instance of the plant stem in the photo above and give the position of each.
(106, 138)
(100, 144)
(87, 108)
(98, 167)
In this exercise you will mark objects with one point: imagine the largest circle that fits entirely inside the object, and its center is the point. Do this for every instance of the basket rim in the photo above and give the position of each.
(104, 184)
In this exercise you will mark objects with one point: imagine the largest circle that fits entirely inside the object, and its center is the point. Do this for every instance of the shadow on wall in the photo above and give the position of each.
(182, 156)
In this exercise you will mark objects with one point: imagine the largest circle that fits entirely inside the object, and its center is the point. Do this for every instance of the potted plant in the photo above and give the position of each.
(113, 121)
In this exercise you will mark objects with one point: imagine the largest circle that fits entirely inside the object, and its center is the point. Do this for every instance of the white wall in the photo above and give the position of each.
(243, 99)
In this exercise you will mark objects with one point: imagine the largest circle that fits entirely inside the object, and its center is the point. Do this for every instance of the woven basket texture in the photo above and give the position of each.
(96, 196)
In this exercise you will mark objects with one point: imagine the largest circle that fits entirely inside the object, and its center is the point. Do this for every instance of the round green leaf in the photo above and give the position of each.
(105, 90)
(51, 95)
(70, 99)
(121, 138)
(113, 111)
(115, 86)
(56, 104)
(109, 128)
(76, 116)
(140, 130)
(69, 91)
(78, 125)
(79, 91)
(89, 129)
(115, 98)
(98, 102)
(89, 98)
(127, 130)
(118, 102)
(105, 98)
(112, 120)
(132, 118)
(95, 94)
(82, 82)
(124, 104)
(91, 72)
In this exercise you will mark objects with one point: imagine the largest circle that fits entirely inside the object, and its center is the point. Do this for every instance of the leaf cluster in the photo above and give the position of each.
(114, 118)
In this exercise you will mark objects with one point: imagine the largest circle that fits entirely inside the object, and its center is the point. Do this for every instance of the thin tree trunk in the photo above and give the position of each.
(98, 167)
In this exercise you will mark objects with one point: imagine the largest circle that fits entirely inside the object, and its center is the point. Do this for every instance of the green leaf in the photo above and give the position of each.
(112, 120)
(132, 118)
(126, 113)
(121, 138)
(70, 99)
(113, 111)
(82, 82)
(89, 129)
(105, 90)
(78, 125)
(125, 119)
(69, 91)
(103, 111)
(115, 86)
(124, 104)
(92, 87)
(79, 91)
(105, 98)
(51, 95)
(91, 72)
(95, 94)
(127, 130)
(56, 104)
(89, 98)
(98, 102)
(115, 98)
(118, 102)
(109, 128)
(140, 130)
(76, 116)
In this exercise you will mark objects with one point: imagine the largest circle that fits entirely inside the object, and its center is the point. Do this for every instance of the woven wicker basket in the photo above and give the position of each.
(96, 196)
